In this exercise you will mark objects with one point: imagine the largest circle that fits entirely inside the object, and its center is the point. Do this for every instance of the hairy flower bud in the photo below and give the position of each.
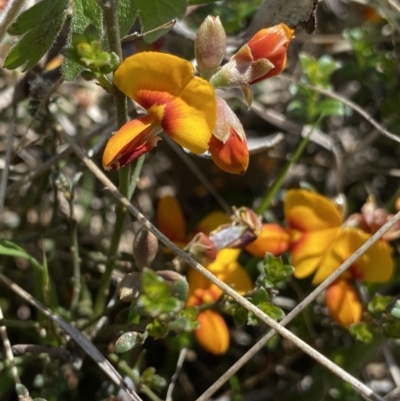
(202, 249)
(228, 145)
(209, 46)
(263, 56)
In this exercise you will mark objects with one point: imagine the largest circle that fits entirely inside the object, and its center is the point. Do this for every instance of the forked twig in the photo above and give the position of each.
(360, 387)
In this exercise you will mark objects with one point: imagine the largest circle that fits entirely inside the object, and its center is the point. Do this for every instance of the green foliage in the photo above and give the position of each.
(84, 12)
(129, 340)
(394, 309)
(152, 380)
(40, 26)
(157, 297)
(361, 332)
(127, 14)
(87, 51)
(273, 273)
(378, 304)
(155, 13)
(310, 105)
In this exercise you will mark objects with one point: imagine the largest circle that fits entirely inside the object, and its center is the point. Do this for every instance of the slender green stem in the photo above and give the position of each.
(75, 259)
(279, 180)
(112, 28)
(134, 375)
(135, 175)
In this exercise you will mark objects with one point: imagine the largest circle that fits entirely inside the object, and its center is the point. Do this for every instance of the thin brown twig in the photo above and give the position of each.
(77, 336)
(360, 387)
(109, 125)
(347, 102)
(59, 352)
(8, 351)
(4, 177)
(174, 378)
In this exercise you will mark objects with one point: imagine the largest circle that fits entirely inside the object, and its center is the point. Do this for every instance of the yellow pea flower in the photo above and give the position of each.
(177, 102)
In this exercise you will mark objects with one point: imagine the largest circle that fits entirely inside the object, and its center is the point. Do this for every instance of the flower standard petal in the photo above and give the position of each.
(308, 211)
(343, 303)
(132, 140)
(152, 71)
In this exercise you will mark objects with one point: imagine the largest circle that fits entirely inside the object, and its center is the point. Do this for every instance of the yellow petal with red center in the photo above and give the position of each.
(132, 140)
(343, 303)
(213, 334)
(308, 211)
(273, 239)
(376, 265)
(170, 219)
(152, 71)
(211, 222)
(309, 249)
(190, 118)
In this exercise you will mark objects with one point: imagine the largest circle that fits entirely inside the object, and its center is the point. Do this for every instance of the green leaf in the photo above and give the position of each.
(332, 107)
(152, 380)
(129, 340)
(9, 248)
(127, 13)
(29, 18)
(39, 37)
(394, 309)
(84, 13)
(361, 332)
(155, 13)
(379, 304)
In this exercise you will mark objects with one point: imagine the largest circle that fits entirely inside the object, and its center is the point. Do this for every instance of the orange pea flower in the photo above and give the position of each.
(177, 102)
(213, 334)
(319, 241)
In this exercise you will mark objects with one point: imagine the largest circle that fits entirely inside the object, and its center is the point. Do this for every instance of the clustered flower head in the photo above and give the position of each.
(184, 106)
(319, 241)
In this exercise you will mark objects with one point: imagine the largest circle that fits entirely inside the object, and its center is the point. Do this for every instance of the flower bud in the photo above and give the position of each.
(263, 56)
(145, 247)
(343, 303)
(228, 145)
(271, 44)
(213, 334)
(209, 46)
(273, 239)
